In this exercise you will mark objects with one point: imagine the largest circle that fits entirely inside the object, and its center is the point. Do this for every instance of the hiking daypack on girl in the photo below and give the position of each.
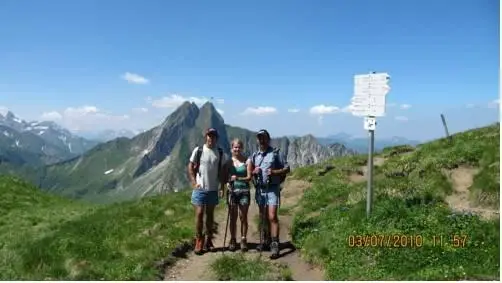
(275, 161)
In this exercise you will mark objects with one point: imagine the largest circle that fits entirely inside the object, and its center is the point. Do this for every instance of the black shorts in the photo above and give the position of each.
(241, 198)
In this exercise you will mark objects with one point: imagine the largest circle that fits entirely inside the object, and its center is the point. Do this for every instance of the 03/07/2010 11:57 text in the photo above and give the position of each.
(405, 241)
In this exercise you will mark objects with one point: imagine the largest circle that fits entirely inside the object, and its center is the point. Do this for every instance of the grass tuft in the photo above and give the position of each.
(238, 268)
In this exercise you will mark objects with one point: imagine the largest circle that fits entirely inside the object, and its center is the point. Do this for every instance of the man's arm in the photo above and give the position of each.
(283, 166)
(191, 172)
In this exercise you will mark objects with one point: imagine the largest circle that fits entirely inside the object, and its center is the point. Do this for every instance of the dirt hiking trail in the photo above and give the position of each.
(461, 179)
(197, 268)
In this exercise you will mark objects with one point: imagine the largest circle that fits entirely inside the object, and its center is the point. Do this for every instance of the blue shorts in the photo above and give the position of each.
(271, 197)
(203, 197)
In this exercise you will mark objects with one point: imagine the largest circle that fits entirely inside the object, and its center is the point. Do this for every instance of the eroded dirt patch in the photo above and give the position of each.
(358, 178)
(461, 179)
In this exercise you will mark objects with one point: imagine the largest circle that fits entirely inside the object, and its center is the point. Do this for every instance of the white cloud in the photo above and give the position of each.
(220, 111)
(220, 100)
(3, 110)
(140, 110)
(260, 111)
(85, 118)
(470, 105)
(401, 118)
(390, 104)
(294, 110)
(176, 100)
(405, 106)
(323, 109)
(52, 116)
(135, 79)
(347, 109)
(80, 111)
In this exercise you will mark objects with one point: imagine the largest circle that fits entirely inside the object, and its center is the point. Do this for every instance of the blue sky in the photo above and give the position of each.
(67, 60)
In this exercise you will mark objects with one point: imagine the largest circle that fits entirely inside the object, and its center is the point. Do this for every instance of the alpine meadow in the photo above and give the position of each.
(250, 140)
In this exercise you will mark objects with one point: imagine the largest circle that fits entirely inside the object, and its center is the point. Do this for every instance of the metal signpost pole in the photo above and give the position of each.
(370, 91)
(369, 186)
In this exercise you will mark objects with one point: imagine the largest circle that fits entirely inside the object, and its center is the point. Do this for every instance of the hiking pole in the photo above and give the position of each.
(262, 223)
(229, 205)
(265, 217)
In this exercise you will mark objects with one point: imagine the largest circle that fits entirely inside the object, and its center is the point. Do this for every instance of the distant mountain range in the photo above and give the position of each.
(34, 142)
(129, 164)
(361, 144)
(150, 162)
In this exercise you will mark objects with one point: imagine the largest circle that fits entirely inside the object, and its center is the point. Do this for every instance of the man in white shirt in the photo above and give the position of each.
(206, 170)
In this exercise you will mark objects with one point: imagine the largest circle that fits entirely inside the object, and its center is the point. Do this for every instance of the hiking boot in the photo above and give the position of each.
(262, 247)
(244, 245)
(199, 243)
(274, 247)
(265, 246)
(209, 245)
(233, 245)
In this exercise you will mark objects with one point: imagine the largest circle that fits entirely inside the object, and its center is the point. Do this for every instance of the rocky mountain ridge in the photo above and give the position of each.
(155, 161)
(45, 142)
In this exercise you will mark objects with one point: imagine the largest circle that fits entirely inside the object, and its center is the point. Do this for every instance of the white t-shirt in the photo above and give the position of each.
(207, 177)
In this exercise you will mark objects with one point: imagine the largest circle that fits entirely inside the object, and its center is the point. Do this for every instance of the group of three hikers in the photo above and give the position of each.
(210, 170)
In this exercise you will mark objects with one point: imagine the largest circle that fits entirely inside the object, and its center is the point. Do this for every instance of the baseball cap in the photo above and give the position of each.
(211, 131)
(263, 132)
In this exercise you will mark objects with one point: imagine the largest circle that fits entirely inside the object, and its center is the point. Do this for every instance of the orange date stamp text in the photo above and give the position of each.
(385, 241)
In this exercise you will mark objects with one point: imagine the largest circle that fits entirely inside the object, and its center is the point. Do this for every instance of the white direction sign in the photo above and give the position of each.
(370, 91)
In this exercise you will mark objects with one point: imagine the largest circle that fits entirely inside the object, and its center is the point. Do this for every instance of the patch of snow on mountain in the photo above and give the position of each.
(108, 172)
(41, 133)
(7, 134)
(69, 147)
(17, 143)
(16, 119)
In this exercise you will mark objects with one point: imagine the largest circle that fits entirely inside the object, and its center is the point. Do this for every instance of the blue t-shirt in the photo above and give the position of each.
(265, 160)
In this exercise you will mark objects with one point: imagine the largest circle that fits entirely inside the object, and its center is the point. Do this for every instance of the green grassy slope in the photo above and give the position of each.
(47, 237)
(84, 176)
(410, 190)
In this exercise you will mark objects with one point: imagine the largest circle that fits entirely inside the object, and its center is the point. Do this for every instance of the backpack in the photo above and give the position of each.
(198, 155)
(274, 166)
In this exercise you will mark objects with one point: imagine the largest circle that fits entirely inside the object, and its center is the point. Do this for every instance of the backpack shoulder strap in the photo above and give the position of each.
(198, 155)
(253, 158)
(276, 155)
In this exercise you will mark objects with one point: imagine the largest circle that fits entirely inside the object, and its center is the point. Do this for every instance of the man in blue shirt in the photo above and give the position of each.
(269, 169)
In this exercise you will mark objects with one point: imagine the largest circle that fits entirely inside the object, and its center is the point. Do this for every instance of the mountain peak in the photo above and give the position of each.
(3, 111)
(185, 110)
(209, 112)
(207, 104)
(10, 115)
